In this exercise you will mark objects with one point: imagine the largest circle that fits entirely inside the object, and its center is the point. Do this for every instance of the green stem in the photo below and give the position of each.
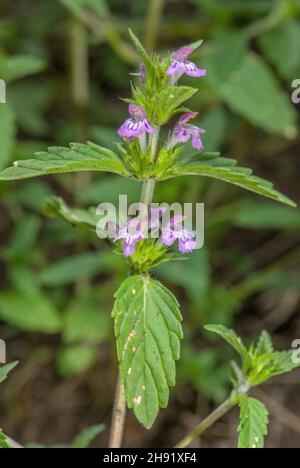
(119, 411)
(154, 14)
(209, 421)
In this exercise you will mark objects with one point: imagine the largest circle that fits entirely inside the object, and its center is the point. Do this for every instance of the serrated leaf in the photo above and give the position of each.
(148, 331)
(5, 370)
(7, 134)
(168, 100)
(254, 420)
(78, 157)
(231, 337)
(226, 170)
(264, 345)
(147, 60)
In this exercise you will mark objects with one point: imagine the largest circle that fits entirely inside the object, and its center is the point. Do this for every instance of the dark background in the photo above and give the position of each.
(66, 64)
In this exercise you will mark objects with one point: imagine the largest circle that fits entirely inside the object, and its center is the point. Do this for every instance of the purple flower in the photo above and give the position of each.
(142, 73)
(174, 231)
(181, 66)
(136, 125)
(184, 131)
(131, 235)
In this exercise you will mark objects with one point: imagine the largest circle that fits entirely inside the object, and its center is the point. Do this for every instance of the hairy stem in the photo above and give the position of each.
(209, 421)
(119, 416)
(154, 14)
(119, 411)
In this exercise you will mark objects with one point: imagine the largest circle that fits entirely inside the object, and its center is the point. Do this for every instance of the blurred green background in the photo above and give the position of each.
(66, 64)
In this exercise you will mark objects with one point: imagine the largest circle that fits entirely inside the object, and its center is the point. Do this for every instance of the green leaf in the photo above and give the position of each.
(210, 165)
(146, 59)
(3, 441)
(7, 134)
(148, 332)
(5, 370)
(231, 337)
(264, 215)
(71, 269)
(254, 420)
(167, 101)
(19, 66)
(254, 92)
(86, 437)
(34, 313)
(86, 219)
(264, 345)
(276, 42)
(75, 360)
(79, 157)
(78, 7)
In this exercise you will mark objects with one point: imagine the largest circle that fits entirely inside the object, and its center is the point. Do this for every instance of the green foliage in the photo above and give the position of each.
(253, 423)
(5, 370)
(260, 361)
(29, 312)
(79, 157)
(75, 360)
(148, 332)
(19, 66)
(87, 219)
(211, 165)
(7, 134)
(83, 440)
(3, 441)
(281, 46)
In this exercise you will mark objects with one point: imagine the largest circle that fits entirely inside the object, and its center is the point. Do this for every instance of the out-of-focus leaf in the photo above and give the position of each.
(215, 124)
(77, 7)
(7, 134)
(86, 321)
(75, 359)
(281, 46)
(262, 215)
(5, 370)
(71, 269)
(29, 313)
(249, 87)
(22, 239)
(20, 66)
(254, 92)
(193, 274)
(86, 437)
(109, 189)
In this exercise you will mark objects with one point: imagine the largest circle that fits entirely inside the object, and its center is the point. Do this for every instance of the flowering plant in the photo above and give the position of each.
(147, 316)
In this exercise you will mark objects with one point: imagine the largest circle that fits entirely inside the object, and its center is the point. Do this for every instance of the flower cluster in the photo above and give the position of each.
(138, 126)
(137, 230)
